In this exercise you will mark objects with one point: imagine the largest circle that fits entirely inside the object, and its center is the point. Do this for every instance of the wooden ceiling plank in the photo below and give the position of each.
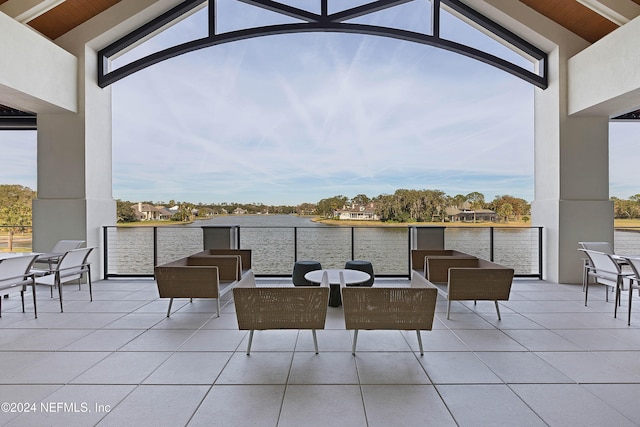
(575, 17)
(68, 15)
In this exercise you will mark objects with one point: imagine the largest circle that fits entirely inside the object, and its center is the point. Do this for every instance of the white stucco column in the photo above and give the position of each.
(74, 168)
(571, 177)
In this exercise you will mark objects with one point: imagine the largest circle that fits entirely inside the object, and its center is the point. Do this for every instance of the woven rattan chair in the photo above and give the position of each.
(395, 308)
(262, 308)
(244, 254)
(419, 262)
(198, 277)
(471, 279)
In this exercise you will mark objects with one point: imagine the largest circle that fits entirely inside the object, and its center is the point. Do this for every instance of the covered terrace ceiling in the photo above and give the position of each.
(589, 19)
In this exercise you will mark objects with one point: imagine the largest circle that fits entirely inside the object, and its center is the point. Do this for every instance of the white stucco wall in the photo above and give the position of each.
(613, 62)
(35, 74)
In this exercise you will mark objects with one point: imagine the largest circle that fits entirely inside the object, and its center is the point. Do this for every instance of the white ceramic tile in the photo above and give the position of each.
(258, 368)
(190, 368)
(323, 368)
(569, 404)
(390, 368)
(158, 340)
(322, 405)
(56, 368)
(214, 340)
(21, 394)
(123, 368)
(457, 368)
(381, 341)
(488, 340)
(240, 405)
(103, 340)
(155, 405)
(588, 367)
(74, 405)
(48, 340)
(522, 367)
(622, 397)
(405, 405)
(487, 405)
(542, 340)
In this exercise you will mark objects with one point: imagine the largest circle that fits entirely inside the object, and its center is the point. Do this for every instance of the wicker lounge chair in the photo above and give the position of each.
(411, 308)
(261, 308)
(419, 263)
(471, 279)
(198, 277)
(244, 254)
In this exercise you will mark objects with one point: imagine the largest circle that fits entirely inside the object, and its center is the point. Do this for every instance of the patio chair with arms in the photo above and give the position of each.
(15, 276)
(73, 265)
(604, 247)
(392, 308)
(605, 270)
(280, 307)
(634, 281)
(59, 249)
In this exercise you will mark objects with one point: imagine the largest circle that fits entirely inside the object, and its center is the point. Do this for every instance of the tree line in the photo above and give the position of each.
(404, 205)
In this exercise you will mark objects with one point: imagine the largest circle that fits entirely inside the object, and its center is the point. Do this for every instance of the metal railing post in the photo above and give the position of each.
(353, 243)
(295, 244)
(540, 253)
(105, 254)
(155, 246)
(491, 243)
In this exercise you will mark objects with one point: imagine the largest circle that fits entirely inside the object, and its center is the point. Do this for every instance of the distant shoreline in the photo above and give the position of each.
(618, 223)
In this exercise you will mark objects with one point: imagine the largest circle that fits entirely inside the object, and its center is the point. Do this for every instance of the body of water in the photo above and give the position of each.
(277, 241)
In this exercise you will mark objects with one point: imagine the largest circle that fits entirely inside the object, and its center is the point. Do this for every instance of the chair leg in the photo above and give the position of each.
(22, 299)
(315, 340)
(630, 298)
(170, 303)
(586, 291)
(355, 340)
(60, 294)
(420, 342)
(218, 306)
(498, 310)
(89, 281)
(33, 291)
(448, 308)
(249, 344)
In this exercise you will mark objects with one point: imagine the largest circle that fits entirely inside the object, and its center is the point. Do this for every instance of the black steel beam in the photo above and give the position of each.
(294, 12)
(365, 9)
(318, 23)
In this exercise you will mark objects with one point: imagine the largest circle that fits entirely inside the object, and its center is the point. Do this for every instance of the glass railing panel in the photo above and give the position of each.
(178, 242)
(331, 246)
(474, 241)
(517, 248)
(129, 250)
(627, 241)
(272, 250)
(385, 247)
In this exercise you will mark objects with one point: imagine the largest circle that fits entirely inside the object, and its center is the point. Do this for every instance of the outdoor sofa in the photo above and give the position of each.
(470, 279)
(396, 308)
(202, 275)
(278, 307)
(419, 264)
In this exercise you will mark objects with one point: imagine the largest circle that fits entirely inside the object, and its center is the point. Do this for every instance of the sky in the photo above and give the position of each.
(297, 118)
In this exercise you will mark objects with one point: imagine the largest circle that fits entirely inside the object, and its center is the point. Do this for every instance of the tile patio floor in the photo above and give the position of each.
(118, 361)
